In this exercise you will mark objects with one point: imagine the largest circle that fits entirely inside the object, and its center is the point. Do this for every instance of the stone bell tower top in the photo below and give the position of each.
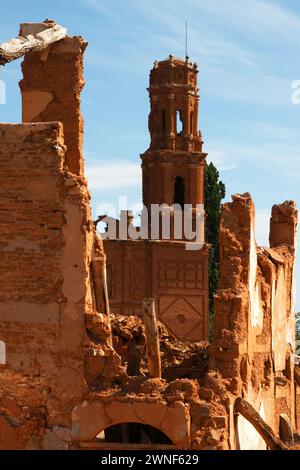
(174, 99)
(174, 164)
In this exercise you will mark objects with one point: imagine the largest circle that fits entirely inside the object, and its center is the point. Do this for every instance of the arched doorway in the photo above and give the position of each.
(179, 191)
(152, 425)
(134, 433)
(138, 435)
(130, 436)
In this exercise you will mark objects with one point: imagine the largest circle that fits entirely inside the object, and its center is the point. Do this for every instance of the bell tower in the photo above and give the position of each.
(169, 262)
(173, 166)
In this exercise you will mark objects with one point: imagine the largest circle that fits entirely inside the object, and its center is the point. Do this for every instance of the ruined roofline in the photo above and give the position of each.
(33, 37)
(174, 61)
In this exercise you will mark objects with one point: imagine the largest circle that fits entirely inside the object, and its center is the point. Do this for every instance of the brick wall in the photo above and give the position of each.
(51, 87)
(46, 237)
(254, 312)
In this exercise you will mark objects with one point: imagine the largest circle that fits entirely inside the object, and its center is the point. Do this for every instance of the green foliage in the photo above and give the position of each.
(214, 193)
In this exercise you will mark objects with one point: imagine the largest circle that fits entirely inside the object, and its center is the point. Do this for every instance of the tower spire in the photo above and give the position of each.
(186, 40)
(173, 166)
(173, 120)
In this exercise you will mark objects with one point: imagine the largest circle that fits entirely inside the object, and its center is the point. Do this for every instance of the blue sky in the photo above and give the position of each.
(248, 56)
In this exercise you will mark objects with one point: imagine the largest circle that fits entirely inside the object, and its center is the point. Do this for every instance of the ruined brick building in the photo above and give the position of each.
(64, 378)
(173, 173)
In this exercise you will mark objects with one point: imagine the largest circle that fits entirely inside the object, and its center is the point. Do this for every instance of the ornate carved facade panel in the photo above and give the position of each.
(183, 316)
(176, 278)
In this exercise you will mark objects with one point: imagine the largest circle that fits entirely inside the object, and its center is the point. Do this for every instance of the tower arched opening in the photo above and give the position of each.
(163, 120)
(179, 123)
(179, 191)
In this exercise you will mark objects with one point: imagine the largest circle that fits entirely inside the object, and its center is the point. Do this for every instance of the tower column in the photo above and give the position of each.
(187, 130)
(150, 185)
(195, 130)
(171, 122)
(168, 186)
(193, 183)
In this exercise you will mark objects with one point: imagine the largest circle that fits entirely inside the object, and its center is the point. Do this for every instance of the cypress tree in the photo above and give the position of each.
(214, 193)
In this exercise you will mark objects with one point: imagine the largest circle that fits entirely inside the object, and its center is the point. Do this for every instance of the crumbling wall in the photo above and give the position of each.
(46, 241)
(254, 314)
(177, 408)
(61, 381)
(187, 404)
(51, 87)
(54, 342)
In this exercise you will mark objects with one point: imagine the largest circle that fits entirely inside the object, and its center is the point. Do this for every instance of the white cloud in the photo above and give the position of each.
(108, 175)
(102, 7)
(282, 156)
(230, 43)
(274, 132)
(253, 87)
(221, 160)
(260, 18)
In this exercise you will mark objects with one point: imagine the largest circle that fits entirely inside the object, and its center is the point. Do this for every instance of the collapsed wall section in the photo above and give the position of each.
(46, 241)
(254, 312)
(51, 87)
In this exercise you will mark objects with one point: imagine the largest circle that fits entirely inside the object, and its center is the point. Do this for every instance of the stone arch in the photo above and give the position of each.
(92, 417)
(134, 433)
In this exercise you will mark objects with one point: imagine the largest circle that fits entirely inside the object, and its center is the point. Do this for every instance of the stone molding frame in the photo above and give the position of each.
(92, 417)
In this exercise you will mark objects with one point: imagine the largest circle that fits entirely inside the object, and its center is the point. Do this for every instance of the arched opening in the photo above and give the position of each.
(2, 353)
(155, 425)
(133, 433)
(179, 191)
(179, 123)
(163, 120)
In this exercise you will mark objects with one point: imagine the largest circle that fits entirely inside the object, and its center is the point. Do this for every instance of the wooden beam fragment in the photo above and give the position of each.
(152, 337)
(99, 275)
(100, 288)
(16, 48)
(264, 430)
